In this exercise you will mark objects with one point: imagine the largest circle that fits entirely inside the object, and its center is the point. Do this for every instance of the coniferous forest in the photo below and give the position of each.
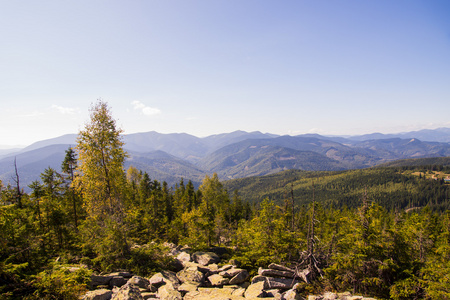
(382, 232)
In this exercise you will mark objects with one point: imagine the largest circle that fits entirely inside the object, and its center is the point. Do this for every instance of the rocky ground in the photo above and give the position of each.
(200, 277)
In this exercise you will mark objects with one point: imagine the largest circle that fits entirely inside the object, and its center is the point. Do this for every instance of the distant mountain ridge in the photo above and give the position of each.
(170, 157)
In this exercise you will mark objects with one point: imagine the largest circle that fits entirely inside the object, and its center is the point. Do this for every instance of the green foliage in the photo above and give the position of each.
(62, 282)
(392, 188)
(392, 243)
(148, 259)
(264, 239)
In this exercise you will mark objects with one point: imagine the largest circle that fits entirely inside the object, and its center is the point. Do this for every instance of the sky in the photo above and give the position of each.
(336, 67)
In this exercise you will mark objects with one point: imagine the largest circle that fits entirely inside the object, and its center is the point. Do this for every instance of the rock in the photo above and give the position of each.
(231, 272)
(165, 277)
(280, 268)
(240, 277)
(191, 275)
(274, 294)
(148, 295)
(275, 283)
(225, 268)
(275, 273)
(255, 290)
(184, 256)
(117, 281)
(124, 274)
(168, 292)
(330, 296)
(205, 258)
(102, 294)
(213, 293)
(97, 280)
(128, 292)
(188, 287)
(238, 292)
(292, 294)
(217, 280)
(139, 281)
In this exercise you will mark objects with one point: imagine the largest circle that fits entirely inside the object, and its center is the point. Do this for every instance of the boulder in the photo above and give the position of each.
(255, 290)
(117, 281)
(165, 277)
(97, 280)
(139, 282)
(292, 294)
(275, 283)
(225, 268)
(213, 293)
(280, 268)
(231, 272)
(240, 277)
(205, 258)
(275, 273)
(168, 292)
(148, 295)
(191, 275)
(217, 280)
(184, 257)
(188, 287)
(124, 274)
(330, 296)
(102, 294)
(128, 292)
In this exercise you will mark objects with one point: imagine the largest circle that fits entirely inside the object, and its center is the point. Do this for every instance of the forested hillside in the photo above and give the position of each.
(391, 187)
(383, 232)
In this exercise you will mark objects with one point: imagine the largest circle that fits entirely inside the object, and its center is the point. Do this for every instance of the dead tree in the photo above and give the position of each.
(16, 180)
(309, 268)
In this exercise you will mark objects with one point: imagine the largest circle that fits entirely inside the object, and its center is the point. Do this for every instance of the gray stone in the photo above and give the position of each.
(184, 256)
(240, 277)
(188, 287)
(275, 273)
(127, 292)
(168, 292)
(280, 268)
(292, 295)
(165, 277)
(117, 281)
(123, 274)
(140, 282)
(231, 272)
(148, 295)
(97, 280)
(205, 258)
(217, 280)
(275, 283)
(102, 294)
(255, 290)
(191, 275)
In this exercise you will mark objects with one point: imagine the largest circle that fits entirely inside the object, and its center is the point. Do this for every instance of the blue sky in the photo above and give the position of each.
(208, 67)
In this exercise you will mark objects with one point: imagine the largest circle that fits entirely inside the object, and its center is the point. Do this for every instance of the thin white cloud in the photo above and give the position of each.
(65, 110)
(146, 110)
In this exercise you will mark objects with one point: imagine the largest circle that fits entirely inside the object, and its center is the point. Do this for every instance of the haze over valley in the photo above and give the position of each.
(170, 157)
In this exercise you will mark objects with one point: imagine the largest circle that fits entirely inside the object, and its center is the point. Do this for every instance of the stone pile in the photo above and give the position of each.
(199, 277)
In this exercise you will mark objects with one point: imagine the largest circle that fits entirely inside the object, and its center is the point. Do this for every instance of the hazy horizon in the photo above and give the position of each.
(209, 67)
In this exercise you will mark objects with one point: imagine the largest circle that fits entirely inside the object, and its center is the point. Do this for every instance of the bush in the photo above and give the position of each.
(62, 282)
(148, 259)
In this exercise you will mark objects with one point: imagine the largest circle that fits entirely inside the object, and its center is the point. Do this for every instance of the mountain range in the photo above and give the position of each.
(170, 157)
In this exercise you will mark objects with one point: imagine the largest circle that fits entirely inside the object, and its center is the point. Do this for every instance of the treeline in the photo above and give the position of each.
(394, 188)
(94, 213)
